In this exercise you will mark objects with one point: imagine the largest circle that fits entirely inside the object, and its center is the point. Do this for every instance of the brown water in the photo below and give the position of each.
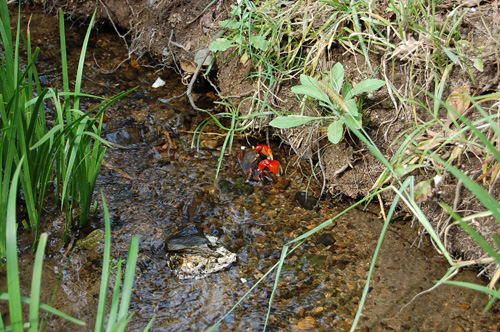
(153, 192)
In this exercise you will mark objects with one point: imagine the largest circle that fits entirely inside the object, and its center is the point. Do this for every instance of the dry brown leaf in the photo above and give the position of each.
(134, 64)
(458, 99)
(405, 48)
(188, 67)
(471, 3)
(431, 140)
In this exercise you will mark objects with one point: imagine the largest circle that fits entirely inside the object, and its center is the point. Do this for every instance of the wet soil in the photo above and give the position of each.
(156, 184)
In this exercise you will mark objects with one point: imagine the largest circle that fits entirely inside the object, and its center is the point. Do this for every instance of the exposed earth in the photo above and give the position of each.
(166, 35)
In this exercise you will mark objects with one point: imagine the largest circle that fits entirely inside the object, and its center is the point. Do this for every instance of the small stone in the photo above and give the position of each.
(317, 310)
(210, 143)
(270, 213)
(308, 323)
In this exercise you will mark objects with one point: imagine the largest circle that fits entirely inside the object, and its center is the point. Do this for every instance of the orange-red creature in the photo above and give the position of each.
(254, 166)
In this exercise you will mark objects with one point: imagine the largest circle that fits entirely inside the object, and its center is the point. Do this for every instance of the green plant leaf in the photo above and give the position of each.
(310, 88)
(308, 81)
(354, 121)
(423, 190)
(230, 24)
(337, 75)
(453, 57)
(291, 121)
(259, 42)
(402, 170)
(353, 108)
(311, 92)
(478, 64)
(221, 45)
(244, 58)
(335, 131)
(36, 282)
(365, 86)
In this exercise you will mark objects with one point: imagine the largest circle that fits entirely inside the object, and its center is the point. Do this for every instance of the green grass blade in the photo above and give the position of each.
(488, 201)
(128, 282)
(473, 233)
(470, 285)
(64, 59)
(81, 63)
(14, 288)
(6, 34)
(376, 254)
(36, 282)
(103, 293)
(115, 302)
(150, 324)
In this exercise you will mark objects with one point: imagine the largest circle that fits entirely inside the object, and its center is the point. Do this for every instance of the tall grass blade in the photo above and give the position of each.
(103, 293)
(36, 282)
(13, 284)
(128, 282)
(115, 301)
(81, 62)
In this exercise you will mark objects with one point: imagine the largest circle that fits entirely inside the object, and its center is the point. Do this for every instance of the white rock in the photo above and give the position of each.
(159, 82)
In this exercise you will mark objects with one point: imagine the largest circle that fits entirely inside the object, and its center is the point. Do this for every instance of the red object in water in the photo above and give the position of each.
(265, 150)
(253, 164)
(271, 164)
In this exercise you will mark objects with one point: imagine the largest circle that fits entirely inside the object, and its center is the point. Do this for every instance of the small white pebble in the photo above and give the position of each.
(243, 280)
(159, 82)
(438, 179)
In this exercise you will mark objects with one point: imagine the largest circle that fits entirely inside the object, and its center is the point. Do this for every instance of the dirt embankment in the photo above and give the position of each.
(172, 31)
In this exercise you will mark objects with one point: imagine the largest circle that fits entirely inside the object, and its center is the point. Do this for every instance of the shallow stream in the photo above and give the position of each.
(157, 185)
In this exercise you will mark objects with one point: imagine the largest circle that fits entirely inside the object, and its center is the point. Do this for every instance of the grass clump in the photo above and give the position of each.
(37, 154)
(64, 154)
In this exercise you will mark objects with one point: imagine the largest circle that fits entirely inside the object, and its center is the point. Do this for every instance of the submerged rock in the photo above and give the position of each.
(192, 255)
(190, 237)
(306, 201)
(239, 187)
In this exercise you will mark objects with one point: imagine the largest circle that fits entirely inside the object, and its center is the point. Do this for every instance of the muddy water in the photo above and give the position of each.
(156, 185)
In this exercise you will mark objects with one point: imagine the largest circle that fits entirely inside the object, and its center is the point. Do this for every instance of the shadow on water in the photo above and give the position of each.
(156, 186)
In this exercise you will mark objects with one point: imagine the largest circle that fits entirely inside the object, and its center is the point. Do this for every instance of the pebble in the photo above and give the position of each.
(307, 323)
(210, 143)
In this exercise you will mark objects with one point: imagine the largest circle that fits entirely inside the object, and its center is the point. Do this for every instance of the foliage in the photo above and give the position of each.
(66, 152)
(335, 96)
(33, 151)
(118, 316)
(13, 294)
(241, 24)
